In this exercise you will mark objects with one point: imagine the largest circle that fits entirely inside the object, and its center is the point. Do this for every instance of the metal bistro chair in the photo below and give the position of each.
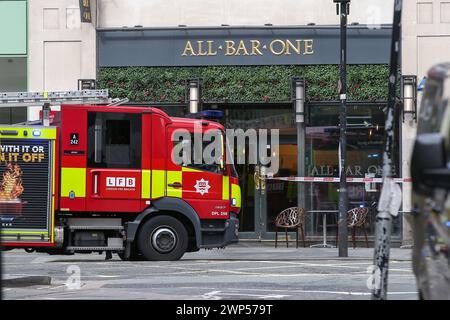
(291, 218)
(356, 218)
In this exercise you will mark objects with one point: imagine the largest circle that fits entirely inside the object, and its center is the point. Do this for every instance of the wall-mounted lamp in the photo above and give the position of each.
(45, 115)
(298, 98)
(86, 84)
(345, 3)
(408, 93)
(193, 95)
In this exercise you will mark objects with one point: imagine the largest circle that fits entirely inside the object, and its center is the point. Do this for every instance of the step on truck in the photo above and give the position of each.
(103, 179)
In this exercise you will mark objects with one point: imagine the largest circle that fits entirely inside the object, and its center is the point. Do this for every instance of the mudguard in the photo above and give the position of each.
(166, 204)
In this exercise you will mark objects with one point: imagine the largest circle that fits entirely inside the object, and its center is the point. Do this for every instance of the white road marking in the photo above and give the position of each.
(350, 293)
(318, 265)
(266, 296)
(303, 274)
(124, 277)
(41, 260)
(339, 263)
(51, 287)
(149, 266)
(214, 295)
(143, 264)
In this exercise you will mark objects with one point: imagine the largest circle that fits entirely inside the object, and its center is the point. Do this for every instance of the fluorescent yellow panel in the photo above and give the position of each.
(145, 182)
(225, 188)
(186, 169)
(52, 228)
(24, 232)
(73, 179)
(174, 176)
(48, 133)
(158, 183)
(236, 193)
(53, 166)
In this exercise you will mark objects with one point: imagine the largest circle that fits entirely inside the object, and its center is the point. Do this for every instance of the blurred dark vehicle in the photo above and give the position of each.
(430, 170)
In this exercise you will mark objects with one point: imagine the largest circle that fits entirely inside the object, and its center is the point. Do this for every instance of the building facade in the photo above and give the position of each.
(61, 48)
(246, 53)
(13, 55)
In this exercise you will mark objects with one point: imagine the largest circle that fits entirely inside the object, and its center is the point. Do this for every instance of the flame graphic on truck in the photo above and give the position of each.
(11, 189)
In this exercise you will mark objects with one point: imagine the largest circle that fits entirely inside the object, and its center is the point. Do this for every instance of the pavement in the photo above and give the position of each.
(243, 271)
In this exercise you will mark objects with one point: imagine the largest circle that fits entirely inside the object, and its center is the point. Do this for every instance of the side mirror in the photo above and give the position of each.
(428, 164)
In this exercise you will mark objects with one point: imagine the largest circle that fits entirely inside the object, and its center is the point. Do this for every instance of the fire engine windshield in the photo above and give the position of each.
(230, 160)
(206, 155)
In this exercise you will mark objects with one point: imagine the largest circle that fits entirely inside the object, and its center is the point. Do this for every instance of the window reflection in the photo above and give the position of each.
(365, 142)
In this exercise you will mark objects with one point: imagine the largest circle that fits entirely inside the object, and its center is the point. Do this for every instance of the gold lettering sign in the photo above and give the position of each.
(241, 49)
(231, 50)
(211, 52)
(255, 47)
(188, 50)
(275, 47)
(309, 46)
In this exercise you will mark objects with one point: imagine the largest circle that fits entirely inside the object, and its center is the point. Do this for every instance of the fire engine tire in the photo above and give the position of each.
(163, 238)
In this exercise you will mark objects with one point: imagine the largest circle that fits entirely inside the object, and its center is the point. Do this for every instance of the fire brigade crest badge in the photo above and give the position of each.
(202, 186)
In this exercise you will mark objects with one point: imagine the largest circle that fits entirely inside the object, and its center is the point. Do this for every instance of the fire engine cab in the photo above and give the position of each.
(102, 178)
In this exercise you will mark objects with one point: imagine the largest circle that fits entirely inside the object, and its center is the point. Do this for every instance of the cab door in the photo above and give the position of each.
(113, 162)
(206, 187)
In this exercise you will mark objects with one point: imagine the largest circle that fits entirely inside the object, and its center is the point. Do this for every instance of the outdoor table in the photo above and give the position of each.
(324, 219)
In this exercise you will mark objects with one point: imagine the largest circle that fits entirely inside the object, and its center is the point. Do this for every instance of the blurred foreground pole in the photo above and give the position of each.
(390, 198)
(343, 9)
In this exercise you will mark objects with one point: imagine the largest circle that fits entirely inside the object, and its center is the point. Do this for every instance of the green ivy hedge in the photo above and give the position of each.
(243, 84)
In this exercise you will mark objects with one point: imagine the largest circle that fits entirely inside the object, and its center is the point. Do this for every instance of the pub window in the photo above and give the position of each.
(365, 147)
(114, 140)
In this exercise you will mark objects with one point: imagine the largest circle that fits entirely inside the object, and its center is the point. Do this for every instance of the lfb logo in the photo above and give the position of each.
(202, 186)
(120, 182)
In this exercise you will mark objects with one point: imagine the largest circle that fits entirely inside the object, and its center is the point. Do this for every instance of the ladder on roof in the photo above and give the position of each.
(38, 99)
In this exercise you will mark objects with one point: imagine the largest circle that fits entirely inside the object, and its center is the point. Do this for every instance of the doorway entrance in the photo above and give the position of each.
(263, 199)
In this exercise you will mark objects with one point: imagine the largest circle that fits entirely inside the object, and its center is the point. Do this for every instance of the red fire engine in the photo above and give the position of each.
(102, 179)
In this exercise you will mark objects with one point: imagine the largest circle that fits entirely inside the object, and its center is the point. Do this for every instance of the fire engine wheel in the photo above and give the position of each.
(163, 238)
